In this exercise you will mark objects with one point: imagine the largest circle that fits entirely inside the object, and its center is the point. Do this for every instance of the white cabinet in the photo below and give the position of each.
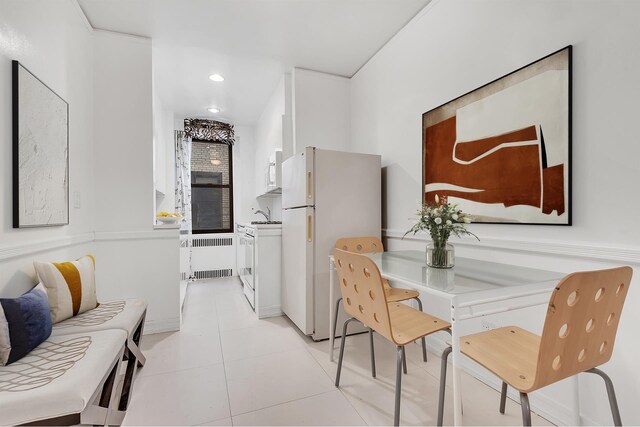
(267, 270)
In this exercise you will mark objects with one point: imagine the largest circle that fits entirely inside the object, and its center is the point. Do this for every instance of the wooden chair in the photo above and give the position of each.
(366, 301)
(371, 245)
(578, 336)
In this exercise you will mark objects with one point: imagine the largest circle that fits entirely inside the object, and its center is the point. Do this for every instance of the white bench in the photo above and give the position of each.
(68, 379)
(127, 315)
(74, 376)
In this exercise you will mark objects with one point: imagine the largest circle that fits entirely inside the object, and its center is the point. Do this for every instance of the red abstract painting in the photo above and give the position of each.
(503, 151)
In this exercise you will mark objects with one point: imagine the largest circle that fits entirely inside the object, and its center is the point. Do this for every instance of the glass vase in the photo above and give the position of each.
(440, 255)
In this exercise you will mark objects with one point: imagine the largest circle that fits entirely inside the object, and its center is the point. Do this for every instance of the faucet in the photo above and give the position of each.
(266, 215)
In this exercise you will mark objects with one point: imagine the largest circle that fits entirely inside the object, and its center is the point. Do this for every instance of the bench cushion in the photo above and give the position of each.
(57, 378)
(123, 315)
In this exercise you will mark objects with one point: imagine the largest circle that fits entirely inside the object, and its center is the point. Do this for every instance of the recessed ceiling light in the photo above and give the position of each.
(216, 77)
(213, 110)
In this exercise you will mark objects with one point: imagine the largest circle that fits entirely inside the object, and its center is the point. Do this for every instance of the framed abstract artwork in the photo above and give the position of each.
(40, 153)
(503, 151)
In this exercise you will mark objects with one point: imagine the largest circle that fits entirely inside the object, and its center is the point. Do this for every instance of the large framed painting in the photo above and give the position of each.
(40, 153)
(503, 151)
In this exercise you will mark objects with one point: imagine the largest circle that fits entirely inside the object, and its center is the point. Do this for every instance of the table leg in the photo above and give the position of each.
(332, 308)
(457, 372)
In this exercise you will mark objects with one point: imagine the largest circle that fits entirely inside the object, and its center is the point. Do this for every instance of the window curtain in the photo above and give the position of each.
(209, 130)
(183, 179)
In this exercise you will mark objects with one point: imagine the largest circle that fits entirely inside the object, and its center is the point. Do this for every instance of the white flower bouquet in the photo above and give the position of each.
(441, 220)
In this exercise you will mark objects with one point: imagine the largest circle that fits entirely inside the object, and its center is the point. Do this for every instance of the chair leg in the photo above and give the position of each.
(461, 402)
(373, 354)
(399, 363)
(613, 402)
(424, 340)
(335, 318)
(342, 341)
(404, 360)
(443, 384)
(526, 409)
(503, 397)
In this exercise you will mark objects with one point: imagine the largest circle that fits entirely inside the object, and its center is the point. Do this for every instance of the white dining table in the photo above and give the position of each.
(474, 289)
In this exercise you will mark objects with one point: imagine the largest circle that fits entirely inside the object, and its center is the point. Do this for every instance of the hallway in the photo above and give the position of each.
(226, 367)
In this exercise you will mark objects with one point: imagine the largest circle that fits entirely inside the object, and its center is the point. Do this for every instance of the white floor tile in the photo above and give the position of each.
(272, 379)
(374, 399)
(222, 422)
(272, 336)
(180, 350)
(185, 397)
(236, 313)
(326, 409)
(357, 362)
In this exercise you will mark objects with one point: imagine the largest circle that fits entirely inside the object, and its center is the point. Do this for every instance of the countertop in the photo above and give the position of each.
(261, 226)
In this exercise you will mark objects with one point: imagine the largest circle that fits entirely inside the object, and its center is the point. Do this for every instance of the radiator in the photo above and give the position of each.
(207, 256)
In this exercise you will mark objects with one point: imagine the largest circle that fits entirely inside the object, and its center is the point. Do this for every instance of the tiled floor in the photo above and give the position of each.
(227, 367)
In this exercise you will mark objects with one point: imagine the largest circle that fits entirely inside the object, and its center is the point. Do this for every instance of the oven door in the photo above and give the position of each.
(248, 278)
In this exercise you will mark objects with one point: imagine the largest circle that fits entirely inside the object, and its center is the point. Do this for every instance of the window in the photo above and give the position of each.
(211, 187)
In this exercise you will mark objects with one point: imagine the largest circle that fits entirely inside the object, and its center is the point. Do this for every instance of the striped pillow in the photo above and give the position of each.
(71, 287)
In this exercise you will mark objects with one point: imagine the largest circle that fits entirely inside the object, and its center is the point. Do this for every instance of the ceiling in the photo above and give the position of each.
(250, 42)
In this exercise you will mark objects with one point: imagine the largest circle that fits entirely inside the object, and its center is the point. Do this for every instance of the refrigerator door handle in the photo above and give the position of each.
(309, 186)
(309, 228)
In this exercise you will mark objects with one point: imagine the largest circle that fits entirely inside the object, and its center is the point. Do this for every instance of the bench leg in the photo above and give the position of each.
(135, 359)
(102, 409)
(133, 343)
(127, 383)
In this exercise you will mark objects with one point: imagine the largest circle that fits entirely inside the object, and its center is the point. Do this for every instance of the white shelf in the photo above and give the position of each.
(165, 226)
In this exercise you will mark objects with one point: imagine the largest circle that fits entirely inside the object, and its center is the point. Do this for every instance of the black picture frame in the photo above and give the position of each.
(569, 180)
(18, 220)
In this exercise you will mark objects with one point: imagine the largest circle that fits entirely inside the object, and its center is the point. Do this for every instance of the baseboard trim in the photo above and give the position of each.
(628, 255)
(161, 325)
(25, 249)
(271, 311)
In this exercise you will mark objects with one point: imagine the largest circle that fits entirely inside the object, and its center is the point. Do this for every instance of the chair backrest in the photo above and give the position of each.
(360, 245)
(581, 323)
(363, 295)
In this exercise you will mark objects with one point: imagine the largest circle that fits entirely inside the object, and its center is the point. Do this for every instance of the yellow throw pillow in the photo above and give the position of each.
(71, 286)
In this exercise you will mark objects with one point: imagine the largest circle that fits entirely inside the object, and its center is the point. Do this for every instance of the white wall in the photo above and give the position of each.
(321, 110)
(453, 47)
(268, 134)
(244, 173)
(267, 139)
(141, 261)
(142, 264)
(164, 156)
(106, 79)
(316, 113)
(123, 131)
(56, 45)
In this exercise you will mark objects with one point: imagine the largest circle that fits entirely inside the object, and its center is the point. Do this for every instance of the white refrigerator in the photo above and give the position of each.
(325, 195)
